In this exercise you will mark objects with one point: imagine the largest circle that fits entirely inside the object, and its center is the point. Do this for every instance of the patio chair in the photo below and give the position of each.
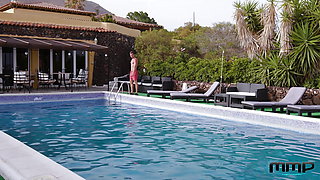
(21, 80)
(6, 80)
(167, 93)
(293, 96)
(81, 79)
(188, 96)
(44, 79)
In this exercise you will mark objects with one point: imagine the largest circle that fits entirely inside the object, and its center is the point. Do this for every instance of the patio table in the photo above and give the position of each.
(235, 98)
(61, 79)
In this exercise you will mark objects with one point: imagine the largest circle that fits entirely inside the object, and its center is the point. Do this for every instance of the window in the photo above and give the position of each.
(57, 61)
(69, 61)
(80, 61)
(7, 59)
(22, 59)
(44, 60)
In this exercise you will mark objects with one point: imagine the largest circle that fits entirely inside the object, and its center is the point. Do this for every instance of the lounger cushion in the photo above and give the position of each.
(258, 103)
(294, 95)
(168, 92)
(187, 95)
(305, 107)
(211, 90)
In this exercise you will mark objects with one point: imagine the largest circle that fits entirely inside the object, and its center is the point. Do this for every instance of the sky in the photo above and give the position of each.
(172, 14)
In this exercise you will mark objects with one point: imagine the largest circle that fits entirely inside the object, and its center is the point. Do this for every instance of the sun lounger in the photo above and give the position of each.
(167, 93)
(293, 96)
(188, 96)
(303, 109)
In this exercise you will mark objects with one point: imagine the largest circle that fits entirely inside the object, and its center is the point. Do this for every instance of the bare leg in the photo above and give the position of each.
(131, 86)
(136, 83)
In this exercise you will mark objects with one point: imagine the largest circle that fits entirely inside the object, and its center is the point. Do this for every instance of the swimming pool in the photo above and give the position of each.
(98, 141)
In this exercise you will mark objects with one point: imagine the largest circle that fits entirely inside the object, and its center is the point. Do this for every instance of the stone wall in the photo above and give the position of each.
(312, 96)
(118, 55)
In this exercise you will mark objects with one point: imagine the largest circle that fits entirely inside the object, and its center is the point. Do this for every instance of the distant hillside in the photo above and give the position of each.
(89, 5)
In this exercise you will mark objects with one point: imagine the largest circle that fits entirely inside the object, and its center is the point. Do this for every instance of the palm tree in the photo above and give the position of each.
(268, 19)
(286, 27)
(256, 27)
(75, 4)
(247, 27)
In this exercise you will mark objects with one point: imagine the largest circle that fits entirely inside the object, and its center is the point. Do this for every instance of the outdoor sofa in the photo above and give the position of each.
(188, 96)
(167, 93)
(242, 92)
(148, 83)
(293, 96)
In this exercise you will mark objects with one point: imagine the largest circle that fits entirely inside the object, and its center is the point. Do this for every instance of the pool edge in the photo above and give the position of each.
(275, 120)
(19, 161)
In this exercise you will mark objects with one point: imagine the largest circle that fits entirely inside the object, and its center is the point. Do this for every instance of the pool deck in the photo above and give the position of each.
(18, 161)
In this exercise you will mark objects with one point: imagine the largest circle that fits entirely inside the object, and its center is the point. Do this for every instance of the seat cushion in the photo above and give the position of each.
(243, 87)
(255, 87)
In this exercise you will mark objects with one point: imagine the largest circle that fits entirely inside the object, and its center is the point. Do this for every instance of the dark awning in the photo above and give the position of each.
(22, 42)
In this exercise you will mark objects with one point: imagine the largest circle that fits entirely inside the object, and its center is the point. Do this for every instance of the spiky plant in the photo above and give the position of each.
(245, 29)
(306, 50)
(268, 19)
(286, 28)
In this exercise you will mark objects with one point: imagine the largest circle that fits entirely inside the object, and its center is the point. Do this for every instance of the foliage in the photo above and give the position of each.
(242, 70)
(278, 71)
(252, 13)
(188, 29)
(247, 27)
(221, 36)
(306, 51)
(298, 58)
(104, 18)
(141, 17)
(154, 47)
(75, 4)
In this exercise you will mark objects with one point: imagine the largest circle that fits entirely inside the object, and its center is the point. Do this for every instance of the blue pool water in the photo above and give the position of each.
(98, 141)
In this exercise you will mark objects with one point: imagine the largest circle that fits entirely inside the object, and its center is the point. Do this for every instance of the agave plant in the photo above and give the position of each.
(306, 50)
(285, 74)
(278, 71)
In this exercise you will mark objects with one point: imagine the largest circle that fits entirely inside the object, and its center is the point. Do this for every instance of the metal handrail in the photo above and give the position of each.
(117, 94)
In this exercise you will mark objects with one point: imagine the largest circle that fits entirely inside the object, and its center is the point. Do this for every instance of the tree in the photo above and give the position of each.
(75, 4)
(141, 17)
(256, 27)
(156, 45)
(186, 30)
(104, 18)
(221, 36)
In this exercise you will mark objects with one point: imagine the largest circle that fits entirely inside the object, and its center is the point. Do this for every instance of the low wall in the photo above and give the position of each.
(312, 96)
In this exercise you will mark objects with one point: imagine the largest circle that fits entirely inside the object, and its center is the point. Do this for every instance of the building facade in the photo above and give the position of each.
(48, 38)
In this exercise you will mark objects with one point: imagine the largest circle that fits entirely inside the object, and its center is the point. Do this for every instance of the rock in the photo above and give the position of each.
(307, 102)
(316, 99)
